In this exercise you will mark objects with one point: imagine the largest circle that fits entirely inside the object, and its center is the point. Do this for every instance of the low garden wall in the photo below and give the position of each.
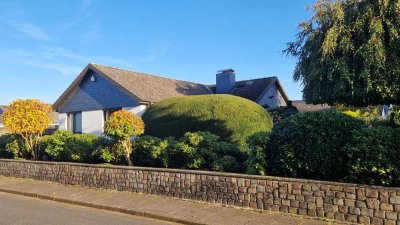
(340, 201)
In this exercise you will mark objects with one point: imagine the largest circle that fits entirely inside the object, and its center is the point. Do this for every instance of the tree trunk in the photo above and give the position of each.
(127, 146)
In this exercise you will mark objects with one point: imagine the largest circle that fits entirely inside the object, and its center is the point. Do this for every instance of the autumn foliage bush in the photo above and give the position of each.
(121, 127)
(28, 119)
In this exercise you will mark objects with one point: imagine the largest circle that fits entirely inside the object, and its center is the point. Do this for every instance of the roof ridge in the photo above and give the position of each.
(257, 79)
(146, 74)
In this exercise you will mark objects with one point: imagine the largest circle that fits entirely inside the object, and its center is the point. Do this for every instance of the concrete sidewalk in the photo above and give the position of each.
(169, 209)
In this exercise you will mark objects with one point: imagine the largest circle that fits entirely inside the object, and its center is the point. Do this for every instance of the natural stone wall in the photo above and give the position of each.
(340, 201)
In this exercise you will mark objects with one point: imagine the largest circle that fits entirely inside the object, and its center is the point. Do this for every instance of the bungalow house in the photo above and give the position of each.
(100, 90)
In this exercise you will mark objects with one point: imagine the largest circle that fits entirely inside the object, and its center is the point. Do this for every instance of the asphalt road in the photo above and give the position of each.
(21, 210)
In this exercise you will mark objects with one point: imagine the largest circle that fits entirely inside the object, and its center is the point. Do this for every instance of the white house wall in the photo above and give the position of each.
(62, 121)
(93, 122)
(137, 110)
(276, 101)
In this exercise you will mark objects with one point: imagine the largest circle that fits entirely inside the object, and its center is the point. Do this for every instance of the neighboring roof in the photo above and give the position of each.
(302, 106)
(140, 86)
(254, 89)
(2, 109)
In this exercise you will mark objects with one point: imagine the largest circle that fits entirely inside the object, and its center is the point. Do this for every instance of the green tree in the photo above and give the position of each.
(121, 126)
(28, 118)
(349, 52)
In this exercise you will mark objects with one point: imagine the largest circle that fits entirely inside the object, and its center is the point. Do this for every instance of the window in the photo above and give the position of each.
(74, 122)
(107, 113)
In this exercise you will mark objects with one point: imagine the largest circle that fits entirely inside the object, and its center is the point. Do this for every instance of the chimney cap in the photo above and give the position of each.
(226, 70)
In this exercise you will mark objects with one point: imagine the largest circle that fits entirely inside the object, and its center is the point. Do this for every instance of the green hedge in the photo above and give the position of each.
(199, 150)
(374, 157)
(312, 145)
(232, 118)
(68, 147)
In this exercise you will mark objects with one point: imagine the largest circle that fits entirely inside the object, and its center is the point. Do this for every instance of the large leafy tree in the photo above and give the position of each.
(121, 126)
(28, 118)
(349, 52)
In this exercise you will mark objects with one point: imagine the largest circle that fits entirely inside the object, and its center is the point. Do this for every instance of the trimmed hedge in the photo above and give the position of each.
(312, 145)
(230, 117)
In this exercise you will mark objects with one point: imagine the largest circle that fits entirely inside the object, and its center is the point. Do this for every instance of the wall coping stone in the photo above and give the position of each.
(201, 172)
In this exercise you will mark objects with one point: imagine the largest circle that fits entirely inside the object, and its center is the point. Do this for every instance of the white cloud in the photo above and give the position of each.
(63, 61)
(31, 30)
(91, 36)
(81, 14)
(154, 53)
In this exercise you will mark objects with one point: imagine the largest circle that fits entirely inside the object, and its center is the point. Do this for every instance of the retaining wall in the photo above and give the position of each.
(340, 201)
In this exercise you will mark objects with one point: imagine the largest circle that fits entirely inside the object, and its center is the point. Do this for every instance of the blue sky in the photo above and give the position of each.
(45, 44)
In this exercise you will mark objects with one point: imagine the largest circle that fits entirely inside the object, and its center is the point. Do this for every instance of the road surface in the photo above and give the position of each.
(21, 210)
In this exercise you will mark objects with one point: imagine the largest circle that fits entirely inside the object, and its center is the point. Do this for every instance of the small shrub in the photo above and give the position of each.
(374, 157)
(199, 150)
(146, 151)
(12, 146)
(312, 145)
(121, 127)
(69, 147)
(257, 159)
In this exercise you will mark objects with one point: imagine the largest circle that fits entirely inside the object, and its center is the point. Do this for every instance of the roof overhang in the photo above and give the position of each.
(75, 84)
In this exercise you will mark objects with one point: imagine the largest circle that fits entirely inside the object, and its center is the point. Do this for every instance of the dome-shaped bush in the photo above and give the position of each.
(230, 117)
(312, 145)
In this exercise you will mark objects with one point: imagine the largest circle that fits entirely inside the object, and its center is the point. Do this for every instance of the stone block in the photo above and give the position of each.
(392, 215)
(293, 210)
(372, 203)
(371, 193)
(284, 209)
(376, 221)
(367, 212)
(351, 218)
(389, 222)
(319, 202)
(311, 205)
(364, 220)
(361, 204)
(386, 207)
(340, 195)
(395, 200)
(339, 216)
(354, 211)
(379, 214)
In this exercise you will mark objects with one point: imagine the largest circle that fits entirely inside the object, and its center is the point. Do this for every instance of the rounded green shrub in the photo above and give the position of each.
(312, 145)
(230, 117)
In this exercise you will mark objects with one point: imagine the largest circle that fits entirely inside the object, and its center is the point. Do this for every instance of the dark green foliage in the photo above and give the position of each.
(199, 150)
(349, 52)
(69, 147)
(280, 113)
(12, 146)
(232, 118)
(374, 157)
(257, 159)
(146, 151)
(312, 145)
(395, 116)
